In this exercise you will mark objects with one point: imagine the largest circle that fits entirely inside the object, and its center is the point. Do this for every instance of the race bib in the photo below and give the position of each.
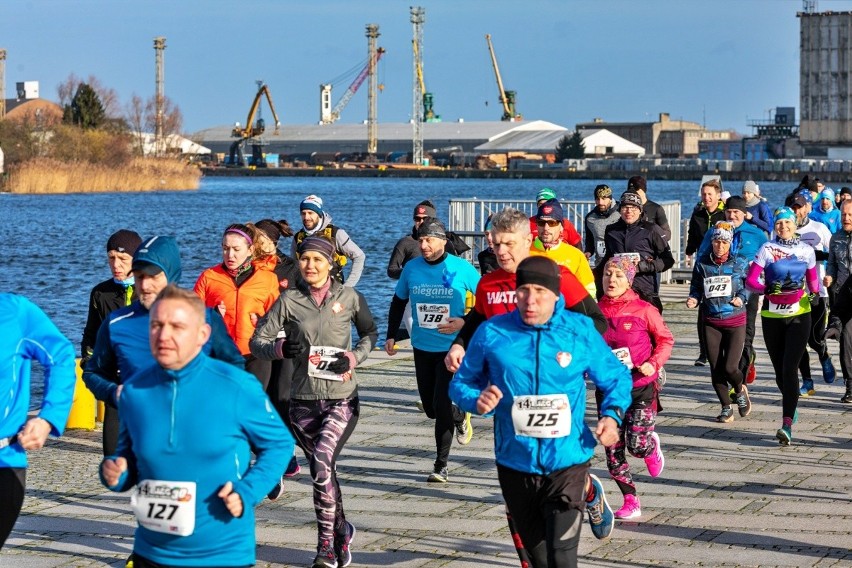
(430, 316)
(600, 248)
(319, 358)
(542, 416)
(623, 355)
(784, 309)
(165, 506)
(633, 257)
(717, 286)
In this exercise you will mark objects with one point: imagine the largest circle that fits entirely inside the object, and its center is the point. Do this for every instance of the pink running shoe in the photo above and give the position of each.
(656, 461)
(630, 509)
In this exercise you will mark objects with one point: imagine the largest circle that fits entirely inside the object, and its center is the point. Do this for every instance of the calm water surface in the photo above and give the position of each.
(53, 246)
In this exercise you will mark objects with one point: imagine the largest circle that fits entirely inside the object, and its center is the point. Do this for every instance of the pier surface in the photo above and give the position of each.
(729, 495)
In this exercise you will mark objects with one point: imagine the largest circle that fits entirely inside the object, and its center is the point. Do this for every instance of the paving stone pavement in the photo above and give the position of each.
(729, 495)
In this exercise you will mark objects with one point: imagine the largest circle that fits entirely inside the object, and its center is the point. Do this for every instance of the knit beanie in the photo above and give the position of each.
(425, 209)
(539, 270)
(623, 263)
(736, 202)
(312, 203)
(784, 213)
(603, 191)
(722, 231)
(550, 210)
(545, 193)
(630, 198)
(432, 227)
(636, 183)
(318, 244)
(124, 240)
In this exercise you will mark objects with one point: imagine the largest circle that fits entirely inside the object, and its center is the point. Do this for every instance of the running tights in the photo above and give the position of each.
(786, 339)
(13, 483)
(815, 340)
(110, 433)
(433, 384)
(725, 352)
(634, 435)
(322, 428)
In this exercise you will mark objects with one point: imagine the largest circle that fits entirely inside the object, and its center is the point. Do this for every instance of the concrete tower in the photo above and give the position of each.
(418, 17)
(159, 48)
(2, 84)
(372, 91)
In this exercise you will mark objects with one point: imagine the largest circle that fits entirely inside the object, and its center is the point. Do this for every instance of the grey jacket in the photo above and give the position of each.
(345, 247)
(839, 258)
(329, 324)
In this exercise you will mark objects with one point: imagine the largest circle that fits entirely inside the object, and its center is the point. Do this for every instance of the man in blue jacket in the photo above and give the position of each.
(536, 392)
(28, 335)
(121, 348)
(189, 425)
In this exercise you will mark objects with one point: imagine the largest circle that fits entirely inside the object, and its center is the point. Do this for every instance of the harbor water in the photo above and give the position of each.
(53, 246)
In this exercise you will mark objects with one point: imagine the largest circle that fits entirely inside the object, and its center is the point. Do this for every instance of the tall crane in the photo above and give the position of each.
(507, 98)
(372, 91)
(253, 130)
(329, 115)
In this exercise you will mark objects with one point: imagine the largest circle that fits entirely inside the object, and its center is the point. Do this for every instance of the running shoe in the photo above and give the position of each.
(129, 562)
(293, 468)
(343, 551)
(744, 402)
(464, 430)
(656, 461)
(700, 362)
(276, 491)
(807, 388)
(325, 558)
(784, 435)
(439, 475)
(661, 378)
(727, 415)
(847, 397)
(751, 374)
(419, 405)
(828, 372)
(601, 518)
(630, 509)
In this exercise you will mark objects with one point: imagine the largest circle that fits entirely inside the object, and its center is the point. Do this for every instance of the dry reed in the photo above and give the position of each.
(140, 174)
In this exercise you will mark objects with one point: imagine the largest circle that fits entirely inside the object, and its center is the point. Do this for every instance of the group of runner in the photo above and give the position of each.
(264, 344)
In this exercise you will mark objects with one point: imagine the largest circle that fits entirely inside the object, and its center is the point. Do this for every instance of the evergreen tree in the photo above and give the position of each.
(570, 147)
(86, 109)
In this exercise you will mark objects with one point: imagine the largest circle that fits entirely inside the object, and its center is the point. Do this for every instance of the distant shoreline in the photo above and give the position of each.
(836, 178)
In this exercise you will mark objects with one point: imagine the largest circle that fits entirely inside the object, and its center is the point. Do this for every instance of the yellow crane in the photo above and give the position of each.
(428, 112)
(507, 98)
(253, 129)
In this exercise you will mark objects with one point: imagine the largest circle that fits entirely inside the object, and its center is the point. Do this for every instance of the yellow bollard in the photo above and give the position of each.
(82, 415)
(99, 415)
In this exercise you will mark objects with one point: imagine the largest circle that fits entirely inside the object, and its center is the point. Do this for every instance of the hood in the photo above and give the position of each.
(161, 251)
(324, 222)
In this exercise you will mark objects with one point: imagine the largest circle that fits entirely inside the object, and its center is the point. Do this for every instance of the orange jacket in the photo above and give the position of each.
(255, 296)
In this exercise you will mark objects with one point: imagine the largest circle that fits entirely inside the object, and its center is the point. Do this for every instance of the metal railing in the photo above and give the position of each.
(468, 215)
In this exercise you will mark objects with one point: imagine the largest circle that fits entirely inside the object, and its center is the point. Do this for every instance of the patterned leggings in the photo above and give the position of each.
(634, 435)
(322, 428)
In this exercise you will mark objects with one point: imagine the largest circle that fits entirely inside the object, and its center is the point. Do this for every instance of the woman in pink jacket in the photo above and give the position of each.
(640, 339)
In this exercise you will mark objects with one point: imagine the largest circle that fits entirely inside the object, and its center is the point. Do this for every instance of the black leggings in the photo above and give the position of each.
(110, 433)
(433, 384)
(13, 484)
(724, 351)
(752, 307)
(786, 339)
(815, 340)
(548, 512)
(260, 368)
(142, 562)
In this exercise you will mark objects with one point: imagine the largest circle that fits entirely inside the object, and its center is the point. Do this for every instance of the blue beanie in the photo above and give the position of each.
(312, 203)
(784, 213)
(827, 193)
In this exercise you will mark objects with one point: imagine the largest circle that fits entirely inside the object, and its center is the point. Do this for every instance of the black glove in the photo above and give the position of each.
(341, 365)
(295, 342)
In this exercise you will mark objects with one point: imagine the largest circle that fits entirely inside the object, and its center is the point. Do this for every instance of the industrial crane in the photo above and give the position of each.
(428, 113)
(507, 98)
(329, 115)
(251, 131)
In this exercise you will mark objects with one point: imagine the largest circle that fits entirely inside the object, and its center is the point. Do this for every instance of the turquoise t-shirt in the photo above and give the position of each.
(436, 292)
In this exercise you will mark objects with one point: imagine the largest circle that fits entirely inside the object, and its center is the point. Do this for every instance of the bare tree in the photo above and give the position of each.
(172, 122)
(108, 96)
(135, 117)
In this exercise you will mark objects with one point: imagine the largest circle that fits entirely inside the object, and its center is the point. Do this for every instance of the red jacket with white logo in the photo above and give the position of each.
(495, 293)
(637, 325)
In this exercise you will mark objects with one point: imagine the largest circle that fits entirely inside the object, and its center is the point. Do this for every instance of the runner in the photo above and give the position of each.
(825, 211)
(788, 266)
(602, 215)
(816, 235)
(652, 211)
(837, 280)
(718, 284)
(121, 348)
(436, 285)
(569, 232)
(28, 335)
(536, 392)
(195, 484)
(316, 318)
(241, 292)
(549, 243)
(632, 234)
(486, 258)
(639, 339)
(318, 222)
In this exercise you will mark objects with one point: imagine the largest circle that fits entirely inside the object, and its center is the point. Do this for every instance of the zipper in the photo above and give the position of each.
(172, 418)
(537, 384)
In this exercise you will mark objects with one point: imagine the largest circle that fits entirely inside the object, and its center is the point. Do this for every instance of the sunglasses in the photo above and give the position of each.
(419, 219)
(548, 223)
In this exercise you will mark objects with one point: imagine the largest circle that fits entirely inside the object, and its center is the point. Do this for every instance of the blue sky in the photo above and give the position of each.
(718, 62)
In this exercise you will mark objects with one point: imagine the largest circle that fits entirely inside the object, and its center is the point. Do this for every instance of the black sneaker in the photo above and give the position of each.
(439, 475)
(343, 550)
(276, 491)
(325, 558)
(700, 362)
